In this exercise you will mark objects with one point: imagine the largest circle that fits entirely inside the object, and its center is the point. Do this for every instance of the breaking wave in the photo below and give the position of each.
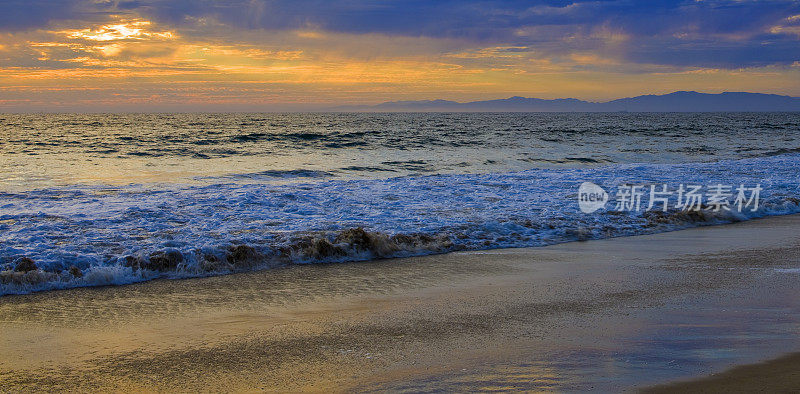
(77, 236)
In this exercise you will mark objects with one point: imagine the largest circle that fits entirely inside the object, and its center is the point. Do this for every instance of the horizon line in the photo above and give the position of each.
(351, 108)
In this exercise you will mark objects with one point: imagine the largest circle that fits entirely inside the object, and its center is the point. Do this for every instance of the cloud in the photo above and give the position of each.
(338, 50)
(711, 33)
(20, 15)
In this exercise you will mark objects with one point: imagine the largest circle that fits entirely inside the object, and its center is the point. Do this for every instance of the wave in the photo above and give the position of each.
(283, 174)
(350, 245)
(77, 236)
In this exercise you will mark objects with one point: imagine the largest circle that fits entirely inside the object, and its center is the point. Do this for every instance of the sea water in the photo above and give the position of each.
(122, 198)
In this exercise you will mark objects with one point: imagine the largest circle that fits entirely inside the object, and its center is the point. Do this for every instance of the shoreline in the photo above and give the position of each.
(244, 255)
(533, 318)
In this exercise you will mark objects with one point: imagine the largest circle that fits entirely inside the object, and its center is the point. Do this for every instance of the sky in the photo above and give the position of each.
(272, 55)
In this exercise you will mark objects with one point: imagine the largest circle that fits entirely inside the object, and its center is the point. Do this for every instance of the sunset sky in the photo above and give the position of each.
(283, 55)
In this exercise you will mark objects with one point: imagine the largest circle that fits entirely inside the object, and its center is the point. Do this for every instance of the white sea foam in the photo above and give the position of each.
(101, 235)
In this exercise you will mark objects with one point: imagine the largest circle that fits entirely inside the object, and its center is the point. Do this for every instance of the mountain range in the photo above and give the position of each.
(681, 101)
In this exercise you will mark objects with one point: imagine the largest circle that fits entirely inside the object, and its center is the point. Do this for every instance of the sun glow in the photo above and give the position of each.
(134, 29)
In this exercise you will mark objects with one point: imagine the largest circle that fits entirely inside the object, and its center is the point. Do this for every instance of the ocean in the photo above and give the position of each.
(111, 199)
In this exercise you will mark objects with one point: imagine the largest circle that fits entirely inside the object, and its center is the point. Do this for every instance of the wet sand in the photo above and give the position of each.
(781, 375)
(609, 315)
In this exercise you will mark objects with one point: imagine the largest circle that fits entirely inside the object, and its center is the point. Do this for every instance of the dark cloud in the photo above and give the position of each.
(21, 15)
(26, 14)
(684, 33)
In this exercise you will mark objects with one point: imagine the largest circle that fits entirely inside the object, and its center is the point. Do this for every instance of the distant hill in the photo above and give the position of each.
(682, 101)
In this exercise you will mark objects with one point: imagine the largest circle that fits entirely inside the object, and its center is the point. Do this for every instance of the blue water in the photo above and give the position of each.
(116, 199)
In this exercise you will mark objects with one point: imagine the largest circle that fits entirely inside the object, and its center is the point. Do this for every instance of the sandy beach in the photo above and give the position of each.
(609, 315)
(781, 375)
